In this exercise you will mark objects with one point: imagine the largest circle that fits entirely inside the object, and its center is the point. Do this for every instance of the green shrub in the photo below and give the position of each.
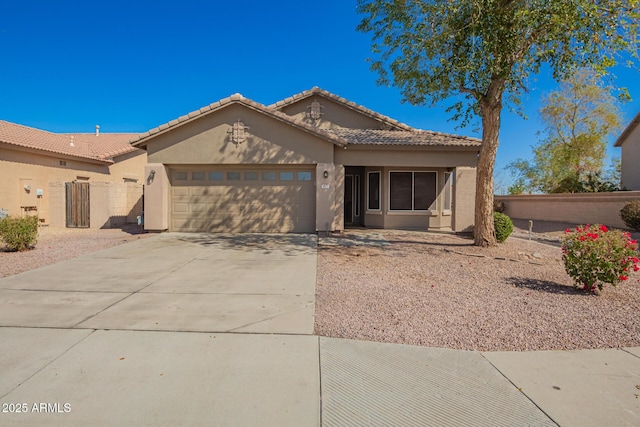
(503, 226)
(19, 234)
(593, 256)
(630, 214)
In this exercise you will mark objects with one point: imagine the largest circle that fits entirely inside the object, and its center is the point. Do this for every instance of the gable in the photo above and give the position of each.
(333, 115)
(207, 139)
(336, 112)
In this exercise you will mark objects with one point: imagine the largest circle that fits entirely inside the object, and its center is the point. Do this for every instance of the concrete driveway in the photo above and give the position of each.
(174, 282)
(176, 329)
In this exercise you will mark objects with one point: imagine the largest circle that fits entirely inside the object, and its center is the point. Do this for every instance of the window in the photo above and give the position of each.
(197, 176)
(180, 176)
(268, 176)
(251, 176)
(373, 194)
(448, 183)
(286, 176)
(356, 195)
(412, 191)
(304, 176)
(233, 176)
(216, 176)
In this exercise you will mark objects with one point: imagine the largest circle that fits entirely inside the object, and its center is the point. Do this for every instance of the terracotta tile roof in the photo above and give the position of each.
(349, 104)
(398, 137)
(140, 139)
(86, 146)
(108, 145)
(627, 131)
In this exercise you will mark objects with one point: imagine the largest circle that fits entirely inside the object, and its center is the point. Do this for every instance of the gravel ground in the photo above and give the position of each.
(440, 291)
(426, 289)
(57, 244)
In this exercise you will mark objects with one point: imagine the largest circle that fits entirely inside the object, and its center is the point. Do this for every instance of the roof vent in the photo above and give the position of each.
(97, 130)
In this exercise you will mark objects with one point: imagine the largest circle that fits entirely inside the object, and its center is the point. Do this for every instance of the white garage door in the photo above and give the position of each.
(240, 200)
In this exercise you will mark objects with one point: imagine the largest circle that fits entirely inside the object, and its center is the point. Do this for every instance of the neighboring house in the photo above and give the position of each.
(312, 162)
(629, 140)
(36, 164)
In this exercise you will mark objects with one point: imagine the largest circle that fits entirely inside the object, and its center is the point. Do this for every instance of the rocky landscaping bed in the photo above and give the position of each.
(439, 290)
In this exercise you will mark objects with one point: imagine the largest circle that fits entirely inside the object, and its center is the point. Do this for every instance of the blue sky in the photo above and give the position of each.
(132, 65)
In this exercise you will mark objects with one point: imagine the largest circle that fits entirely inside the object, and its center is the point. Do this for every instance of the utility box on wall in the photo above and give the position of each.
(27, 190)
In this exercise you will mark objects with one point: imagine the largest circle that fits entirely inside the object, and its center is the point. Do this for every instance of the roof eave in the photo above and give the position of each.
(434, 147)
(316, 91)
(627, 131)
(53, 153)
(234, 99)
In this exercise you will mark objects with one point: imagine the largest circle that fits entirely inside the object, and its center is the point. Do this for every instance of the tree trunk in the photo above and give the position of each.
(484, 231)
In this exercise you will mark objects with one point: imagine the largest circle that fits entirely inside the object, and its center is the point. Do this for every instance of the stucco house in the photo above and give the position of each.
(311, 162)
(35, 165)
(629, 141)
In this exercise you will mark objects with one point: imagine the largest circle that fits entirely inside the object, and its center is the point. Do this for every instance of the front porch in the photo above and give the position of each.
(409, 198)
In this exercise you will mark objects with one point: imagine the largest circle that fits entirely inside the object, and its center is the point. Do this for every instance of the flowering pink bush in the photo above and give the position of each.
(593, 255)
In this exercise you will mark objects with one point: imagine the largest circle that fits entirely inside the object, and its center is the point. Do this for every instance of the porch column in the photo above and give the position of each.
(156, 197)
(464, 201)
(329, 197)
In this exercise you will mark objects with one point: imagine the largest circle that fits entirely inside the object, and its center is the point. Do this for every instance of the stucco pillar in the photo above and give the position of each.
(156, 197)
(338, 206)
(329, 197)
(464, 199)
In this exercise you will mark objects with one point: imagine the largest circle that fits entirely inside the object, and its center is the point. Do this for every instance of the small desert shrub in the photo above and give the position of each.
(503, 226)
(593, 256)
(19, 234)
(630, 214)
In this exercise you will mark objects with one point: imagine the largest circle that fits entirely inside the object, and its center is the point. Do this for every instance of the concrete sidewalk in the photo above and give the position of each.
(204, 330)
(115, 378)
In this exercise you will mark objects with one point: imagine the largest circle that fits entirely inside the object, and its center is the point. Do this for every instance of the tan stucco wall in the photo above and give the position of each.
(329, 197)
(207, 141)
(585, 208)
(110, 203)
(156, 197)
(464, 199)
(630, 158)
(404, 156)
(338, 206)
(333, 115)
(18, 168)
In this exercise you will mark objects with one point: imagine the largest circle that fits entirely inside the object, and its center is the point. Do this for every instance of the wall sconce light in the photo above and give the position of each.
(27, 188)
(325, 174)
(152, 174)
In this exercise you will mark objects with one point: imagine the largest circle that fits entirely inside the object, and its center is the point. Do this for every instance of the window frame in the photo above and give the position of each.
(448, 187)
(413, 187)
(368, 206)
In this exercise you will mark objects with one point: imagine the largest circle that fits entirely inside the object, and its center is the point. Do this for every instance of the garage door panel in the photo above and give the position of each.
(244, 206)
(180, 191)
(179, 207)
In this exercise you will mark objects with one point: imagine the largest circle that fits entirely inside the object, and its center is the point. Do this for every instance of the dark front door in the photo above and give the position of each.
(77, 212)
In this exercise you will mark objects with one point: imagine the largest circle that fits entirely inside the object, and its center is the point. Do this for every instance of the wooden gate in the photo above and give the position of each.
(77, 194)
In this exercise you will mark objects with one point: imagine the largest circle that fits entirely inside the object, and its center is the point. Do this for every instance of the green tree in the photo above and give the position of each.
(483, 52)
(578, 119)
